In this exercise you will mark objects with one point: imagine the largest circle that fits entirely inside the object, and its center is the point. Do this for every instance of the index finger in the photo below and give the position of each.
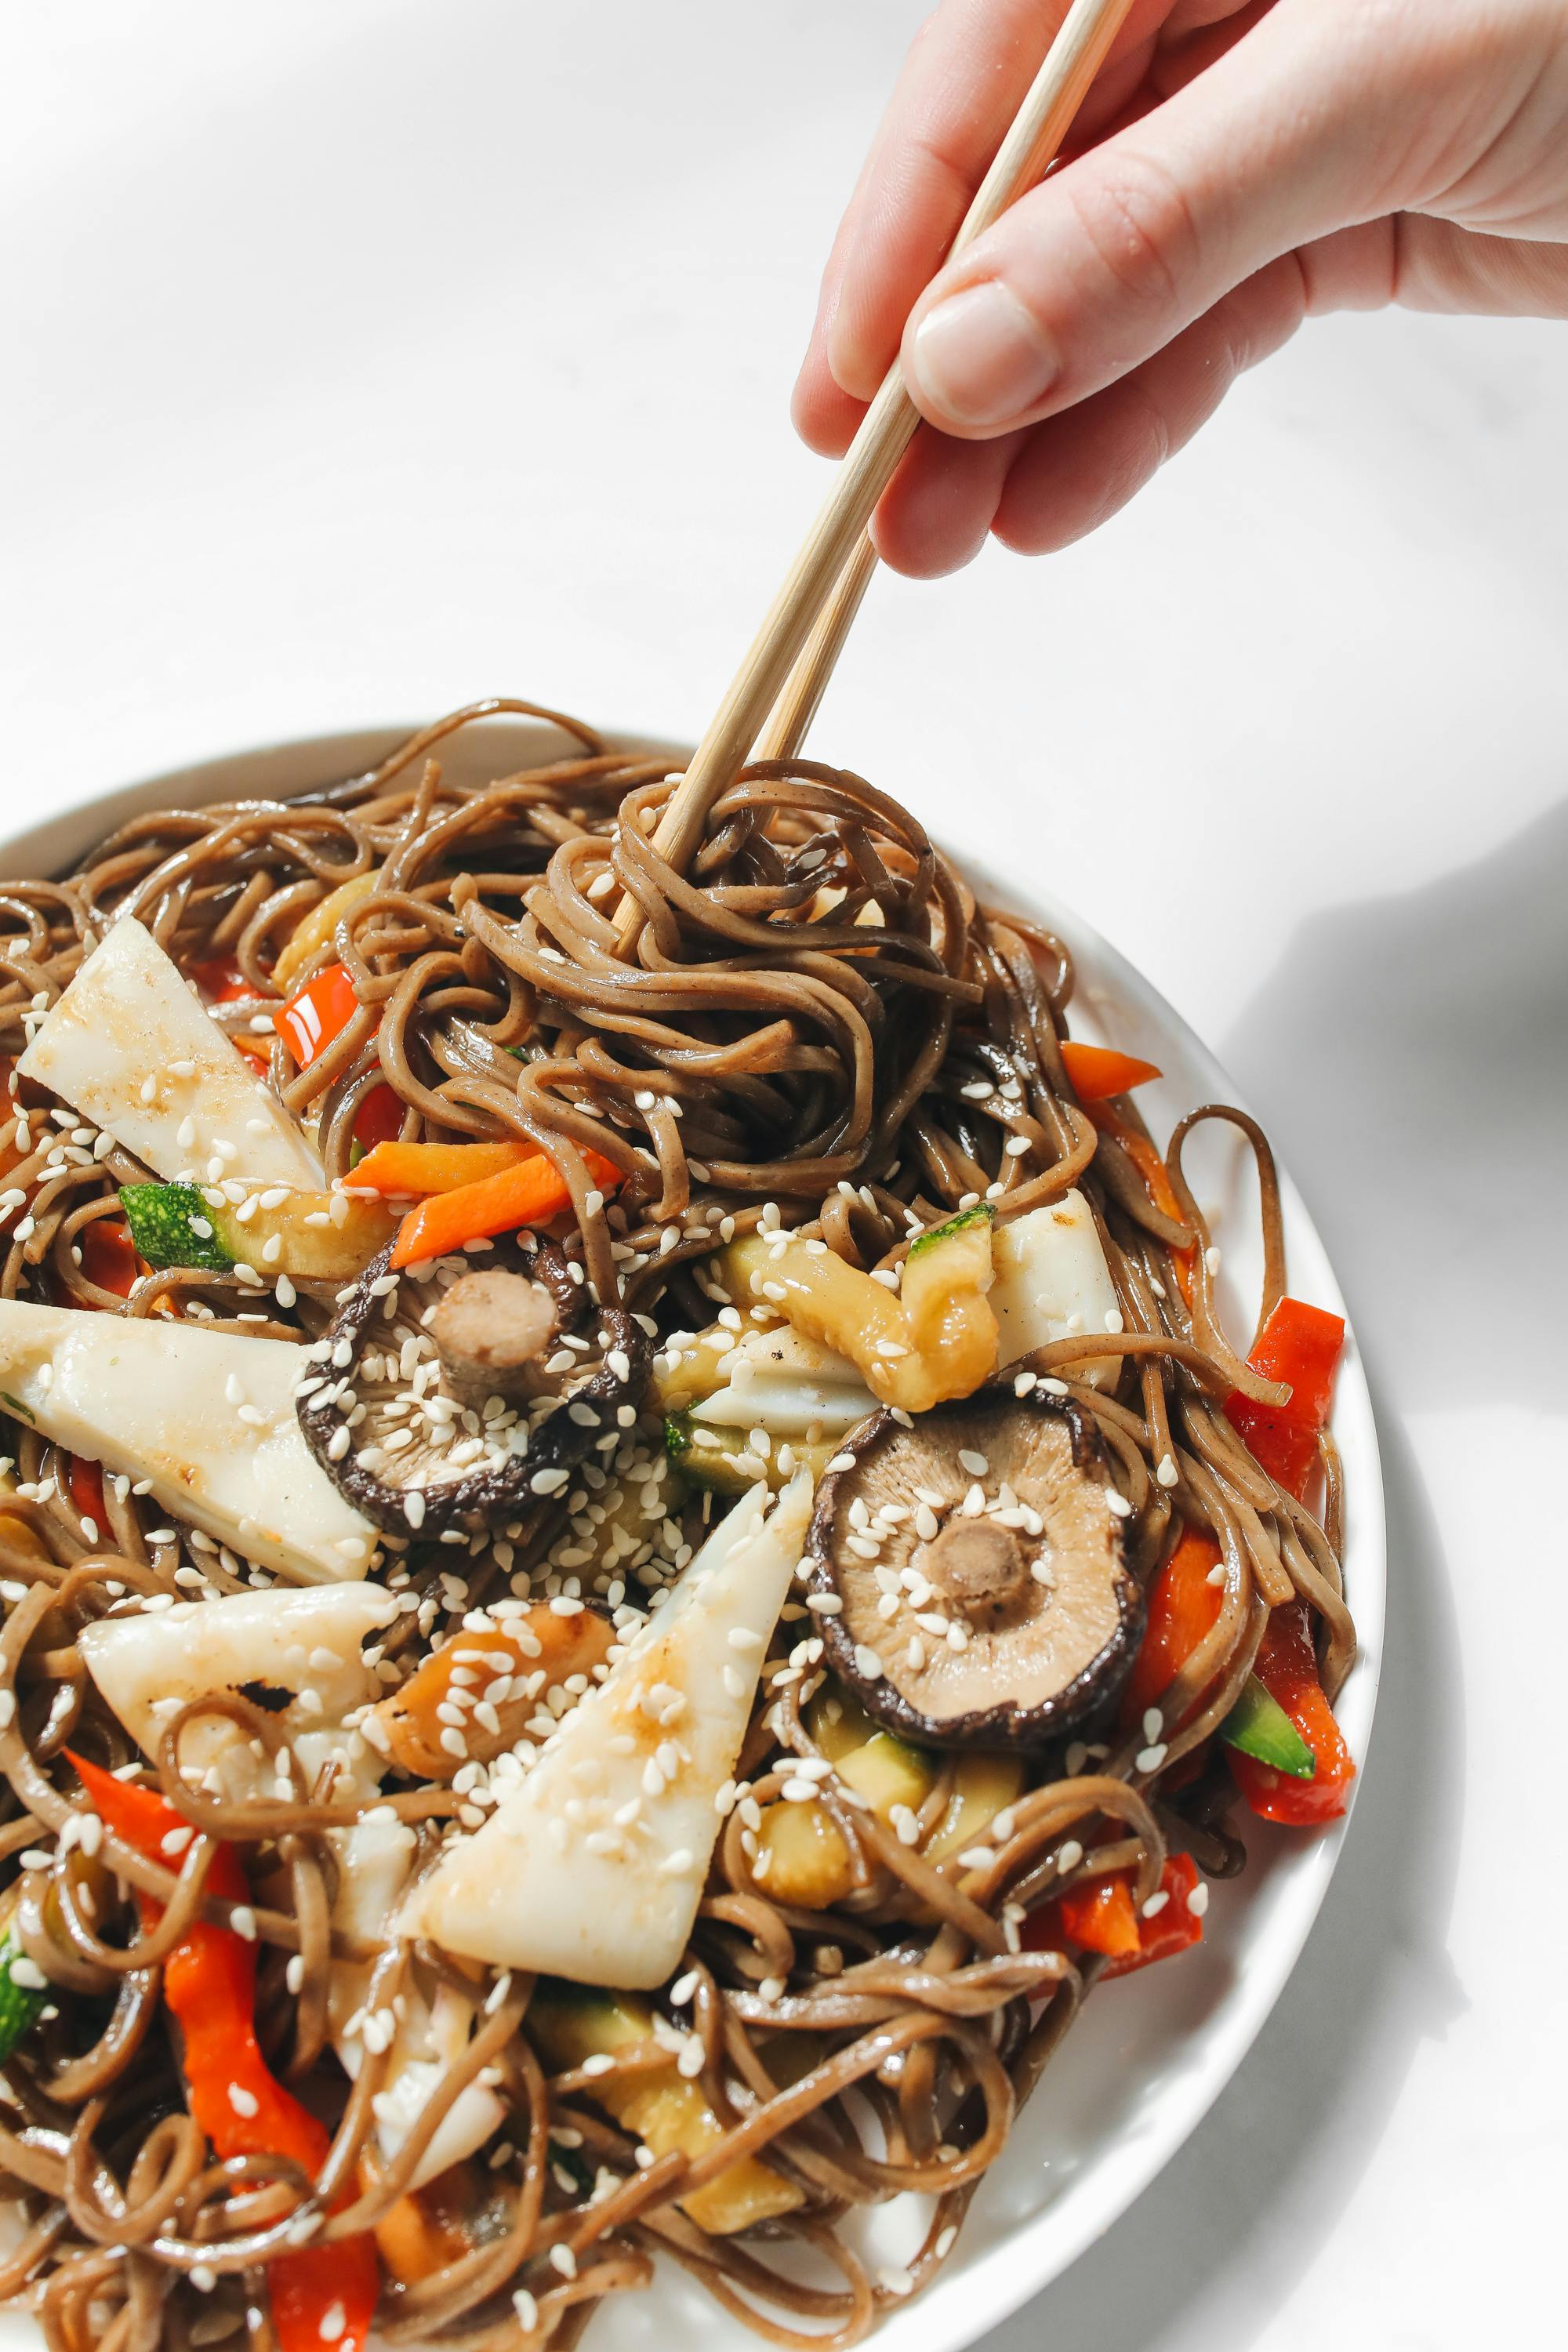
(967, 75)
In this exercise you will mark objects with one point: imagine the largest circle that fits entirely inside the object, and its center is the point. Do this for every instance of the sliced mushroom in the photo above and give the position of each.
(976, 1559)
(462, 1400)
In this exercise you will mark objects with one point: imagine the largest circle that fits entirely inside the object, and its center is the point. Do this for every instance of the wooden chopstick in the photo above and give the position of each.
(797, 706)
(830, 552)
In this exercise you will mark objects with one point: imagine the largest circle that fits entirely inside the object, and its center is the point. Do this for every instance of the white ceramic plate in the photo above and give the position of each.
(1150, 2055)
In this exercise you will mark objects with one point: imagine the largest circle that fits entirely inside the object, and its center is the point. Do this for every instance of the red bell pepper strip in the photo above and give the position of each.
(85, 1480)
(209, 1988)
(1173, 1926)
(1287, 1667)
(221, 981)
(108, 1256)
(529, 1194)
(1301, 1345)
(378, 1120)
(320, 1011)
(310, 1022)
(1097, 1072)
(1100, 1917)
(1183, 1606)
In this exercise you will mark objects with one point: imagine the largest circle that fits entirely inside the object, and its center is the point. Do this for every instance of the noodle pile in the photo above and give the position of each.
(821, 1028)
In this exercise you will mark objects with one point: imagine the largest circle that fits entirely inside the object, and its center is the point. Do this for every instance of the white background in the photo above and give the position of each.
(361, 359)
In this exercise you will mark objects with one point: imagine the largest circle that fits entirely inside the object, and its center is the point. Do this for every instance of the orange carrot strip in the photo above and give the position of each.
(420, 1168)
(529, 1194)
(1100, 1071)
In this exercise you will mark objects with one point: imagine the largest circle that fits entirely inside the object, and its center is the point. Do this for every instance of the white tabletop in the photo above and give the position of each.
(362, 359)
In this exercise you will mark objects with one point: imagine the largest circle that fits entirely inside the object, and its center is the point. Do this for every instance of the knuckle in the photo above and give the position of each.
(1139, 223)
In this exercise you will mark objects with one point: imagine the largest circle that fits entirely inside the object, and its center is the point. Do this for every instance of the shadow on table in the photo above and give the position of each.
(1409, 1056)
(1410, 1059)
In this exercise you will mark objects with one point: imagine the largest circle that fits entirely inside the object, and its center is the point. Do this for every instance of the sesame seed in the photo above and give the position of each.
(244, 2102)
(975, 1464)
(1149, 1760)
(1156, 1903)
(1197, 1901)
(1167, 1472)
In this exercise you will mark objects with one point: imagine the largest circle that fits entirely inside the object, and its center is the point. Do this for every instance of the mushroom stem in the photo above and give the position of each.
(493, 1332)
(978, 1566)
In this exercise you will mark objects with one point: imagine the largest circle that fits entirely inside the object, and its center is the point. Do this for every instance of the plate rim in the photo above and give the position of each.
(978, 2292)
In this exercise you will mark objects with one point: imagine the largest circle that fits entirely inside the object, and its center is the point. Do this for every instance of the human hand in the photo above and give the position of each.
(1238, 166)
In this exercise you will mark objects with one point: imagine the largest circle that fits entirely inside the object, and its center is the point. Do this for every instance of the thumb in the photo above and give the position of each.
(1325, 113)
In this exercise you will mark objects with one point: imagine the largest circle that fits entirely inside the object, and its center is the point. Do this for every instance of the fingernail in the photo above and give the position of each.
(981, 358)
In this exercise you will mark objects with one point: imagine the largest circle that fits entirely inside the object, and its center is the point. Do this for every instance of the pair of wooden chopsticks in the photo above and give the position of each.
(774, 693)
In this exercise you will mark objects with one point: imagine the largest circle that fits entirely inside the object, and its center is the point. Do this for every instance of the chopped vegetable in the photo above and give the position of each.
(85, 1482)
(1099, 1915)
(1299, 1345)
(1286, 1667)
(313, 931)
(322, 1010)
(934, 1337)
(1052, 1282)
(459, 2210)
(21, 2000)
(1184, 1606)
(312, 1236)
(529, 1194)
(132, 1045)
(1173, 1927)
(206, 1417)
(221, 981)
(209, 1989)
(1097, 1072)
(725, 1459)
(810, 1864)
(522, 1660)
(314, 1019)
(171, 1226)
(657, 2104)
(415, 1168)
(573, 1891)
(108, 1256)
(1259, 1726)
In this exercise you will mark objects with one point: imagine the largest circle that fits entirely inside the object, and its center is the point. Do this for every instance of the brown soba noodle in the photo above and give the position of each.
(821, 1032)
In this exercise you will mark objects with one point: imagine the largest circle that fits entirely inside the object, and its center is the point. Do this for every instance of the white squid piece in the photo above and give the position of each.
(132, 1045)
(1051, 1283)
(206, 1417)
(595, 1867)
